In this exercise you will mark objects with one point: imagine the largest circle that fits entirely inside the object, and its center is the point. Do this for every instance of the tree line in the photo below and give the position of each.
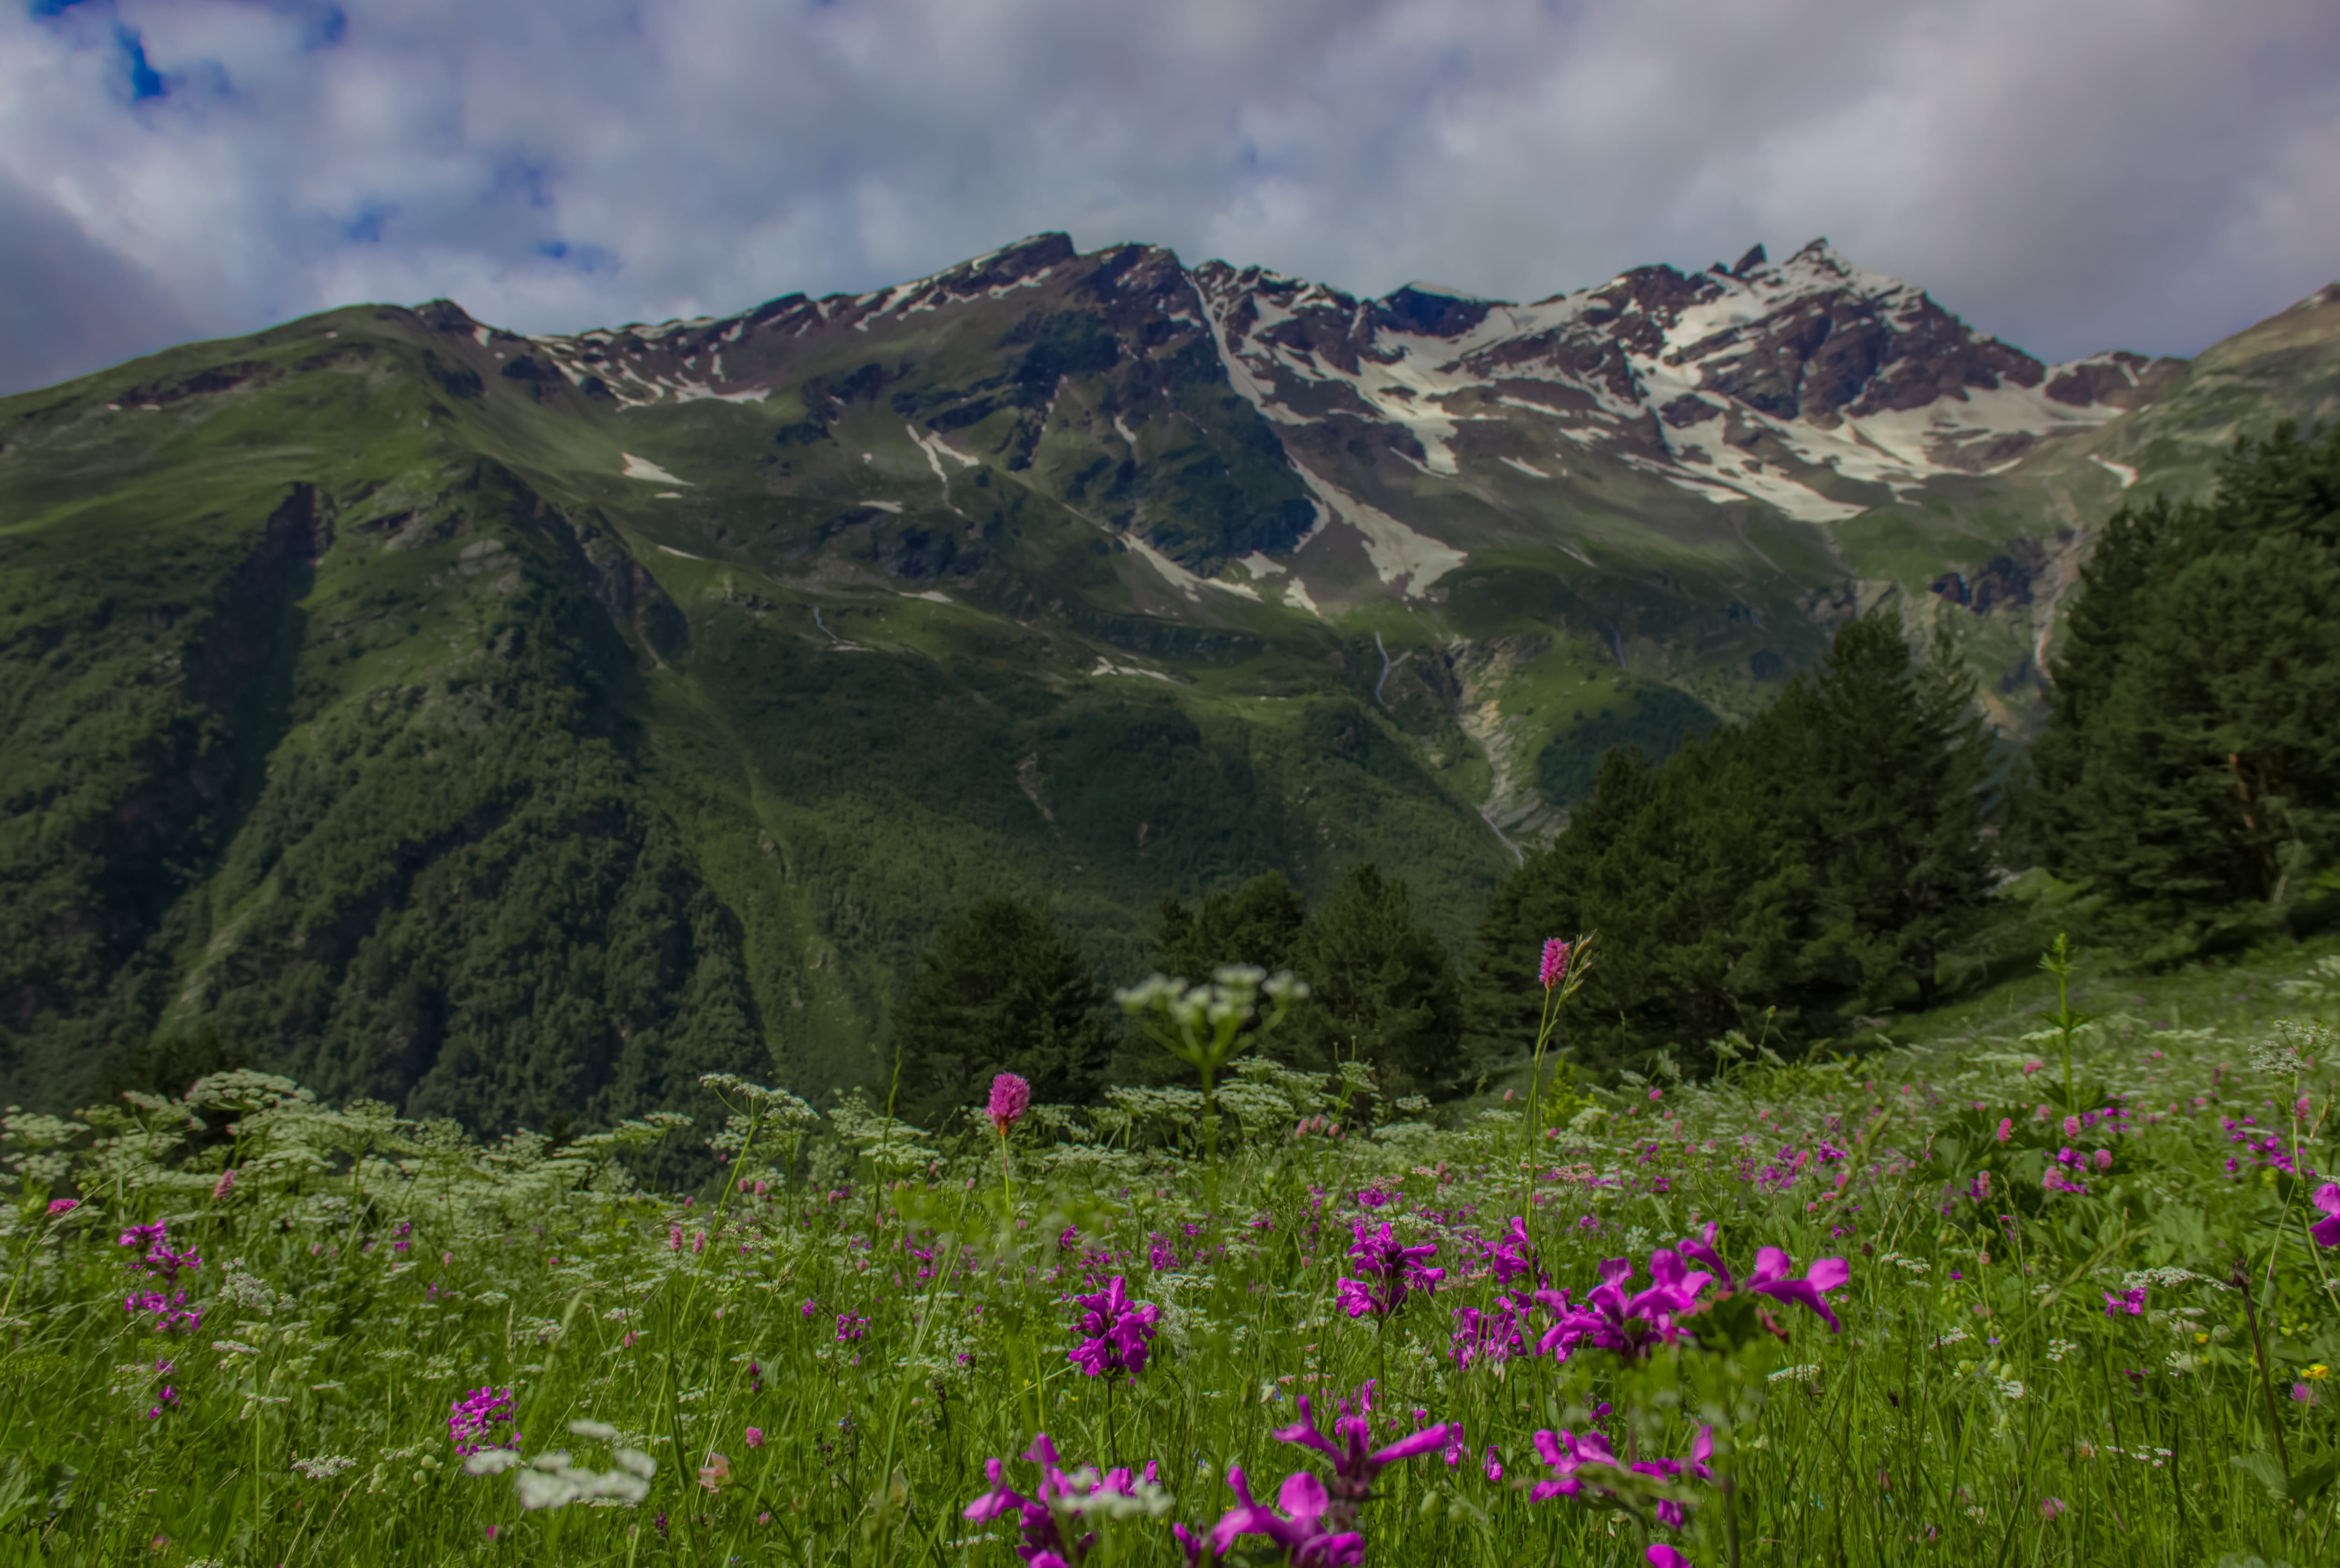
(1810, 871)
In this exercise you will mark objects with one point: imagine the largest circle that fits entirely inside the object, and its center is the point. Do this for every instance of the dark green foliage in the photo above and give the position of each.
(2191, 769)
(1892, 825)
(1817, 860)
(1258, 924)
(1699, 900)
(1655, 720)
(1382, 989)
(1545, 899)
(1001, 990)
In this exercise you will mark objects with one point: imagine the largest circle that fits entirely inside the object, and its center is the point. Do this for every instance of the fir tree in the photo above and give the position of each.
(1897, 761)
(2197, 785)
(1257, 923)
(1382, 989)
(1000, 991)
(1544, 899)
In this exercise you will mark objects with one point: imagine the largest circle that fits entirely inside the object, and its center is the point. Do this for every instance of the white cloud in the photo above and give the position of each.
(2148, 174)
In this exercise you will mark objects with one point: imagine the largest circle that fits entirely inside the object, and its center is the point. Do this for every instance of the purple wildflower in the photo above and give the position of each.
(1511, 1255)
(475, 1421)
(1118, 1332)
(1772, 1278)
(1608, 1319)
(2131, 1301)
(2327, 1232)
(1398, 1269)
(1773, 1275)
(1301, 1531)
(1498, 1334)
(1354, 1467)
(154, 1253)
(1582, 1464)
(171, 1314)
(1042, 1518)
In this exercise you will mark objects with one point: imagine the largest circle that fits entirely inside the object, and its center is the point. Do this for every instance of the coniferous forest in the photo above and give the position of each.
(1863, 848)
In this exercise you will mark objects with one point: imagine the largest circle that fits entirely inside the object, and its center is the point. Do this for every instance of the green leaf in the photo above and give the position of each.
(2308, 1482)
(2263, 1469)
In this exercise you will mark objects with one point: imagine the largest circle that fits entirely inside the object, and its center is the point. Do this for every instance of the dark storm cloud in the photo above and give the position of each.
(2150, 174)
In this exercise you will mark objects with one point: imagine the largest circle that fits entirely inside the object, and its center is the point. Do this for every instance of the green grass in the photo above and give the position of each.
(873, 1317)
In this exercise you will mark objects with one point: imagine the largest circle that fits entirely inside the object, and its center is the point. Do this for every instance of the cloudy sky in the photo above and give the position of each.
(2070, 174)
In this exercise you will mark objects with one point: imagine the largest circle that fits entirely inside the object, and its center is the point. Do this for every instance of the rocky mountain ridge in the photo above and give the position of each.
(784, 634)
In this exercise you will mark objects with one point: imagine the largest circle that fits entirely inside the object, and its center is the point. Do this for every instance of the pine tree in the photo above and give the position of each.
(1700, 904)
(1257, 924)
(1382, 989)
(1000, 991)
(1543, 900)
(2094, 638)
(1896, 762)
(2197, 786)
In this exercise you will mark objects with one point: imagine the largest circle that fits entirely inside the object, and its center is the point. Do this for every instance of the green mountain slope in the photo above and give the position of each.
(518, 728)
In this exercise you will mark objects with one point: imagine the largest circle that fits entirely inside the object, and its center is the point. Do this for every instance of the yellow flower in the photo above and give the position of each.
(2201, 1339)
(2319, 1371)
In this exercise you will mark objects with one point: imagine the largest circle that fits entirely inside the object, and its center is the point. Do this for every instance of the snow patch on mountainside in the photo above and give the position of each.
(2119, 471)
(1107, 667)
(643, 468)
(1406, 561)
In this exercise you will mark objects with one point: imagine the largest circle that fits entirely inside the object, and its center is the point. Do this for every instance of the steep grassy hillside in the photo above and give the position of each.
(359, 715)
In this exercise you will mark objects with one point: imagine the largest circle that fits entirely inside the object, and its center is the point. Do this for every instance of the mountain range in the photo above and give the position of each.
(516, 727)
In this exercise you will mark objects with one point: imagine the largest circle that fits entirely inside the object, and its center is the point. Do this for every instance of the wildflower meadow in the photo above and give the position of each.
(2058, 1289)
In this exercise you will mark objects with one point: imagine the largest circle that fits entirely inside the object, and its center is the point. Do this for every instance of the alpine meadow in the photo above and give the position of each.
(1106, 913)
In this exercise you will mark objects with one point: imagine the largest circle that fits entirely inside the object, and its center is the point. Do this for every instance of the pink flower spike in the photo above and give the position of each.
(1661, 1556)
(1555, 967)
(1011, 1096)
(59, 1206)
(755, 1437)
(2006, 1128)
(224, 1185)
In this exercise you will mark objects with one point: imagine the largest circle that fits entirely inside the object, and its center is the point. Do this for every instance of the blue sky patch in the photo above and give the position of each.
(581, 258)
(145, 81)
(366, 228)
